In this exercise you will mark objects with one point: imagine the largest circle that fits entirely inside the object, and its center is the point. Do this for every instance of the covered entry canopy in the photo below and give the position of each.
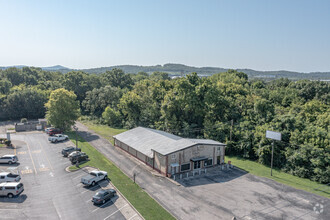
(198, 159)
(174, 165)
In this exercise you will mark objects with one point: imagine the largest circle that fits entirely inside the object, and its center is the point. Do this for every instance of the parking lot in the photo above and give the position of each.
(50, 191)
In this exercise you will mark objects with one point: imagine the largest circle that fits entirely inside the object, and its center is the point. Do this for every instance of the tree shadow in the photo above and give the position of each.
(87, 136)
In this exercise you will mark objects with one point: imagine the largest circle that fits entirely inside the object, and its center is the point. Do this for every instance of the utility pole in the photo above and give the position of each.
(76, 129)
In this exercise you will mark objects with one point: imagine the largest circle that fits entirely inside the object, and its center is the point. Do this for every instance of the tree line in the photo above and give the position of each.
(227, 107)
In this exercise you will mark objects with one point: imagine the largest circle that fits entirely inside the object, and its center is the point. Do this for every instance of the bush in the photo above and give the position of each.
(24, 120)
(2, 140)
(8, 142)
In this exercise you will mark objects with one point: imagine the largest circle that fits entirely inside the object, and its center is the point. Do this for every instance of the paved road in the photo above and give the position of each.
(50, 192)
(218, 194)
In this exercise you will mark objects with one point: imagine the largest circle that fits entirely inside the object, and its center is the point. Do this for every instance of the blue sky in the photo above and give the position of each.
(262, 35)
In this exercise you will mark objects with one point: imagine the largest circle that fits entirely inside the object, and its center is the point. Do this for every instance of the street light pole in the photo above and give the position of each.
(274, 136)
(271, 163)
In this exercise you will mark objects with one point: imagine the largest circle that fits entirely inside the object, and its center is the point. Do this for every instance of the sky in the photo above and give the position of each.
(256, 34)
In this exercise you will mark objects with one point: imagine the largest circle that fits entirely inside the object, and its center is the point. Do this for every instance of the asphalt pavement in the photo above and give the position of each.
(50, 191)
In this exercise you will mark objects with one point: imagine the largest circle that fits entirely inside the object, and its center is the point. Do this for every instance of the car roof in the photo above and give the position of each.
(9, 184)
(4, 173)
(8, 155)
(69, 148)
(106, 190)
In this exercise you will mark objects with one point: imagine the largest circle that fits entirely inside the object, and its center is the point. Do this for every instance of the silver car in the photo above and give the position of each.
(8, 159)
(11, 189)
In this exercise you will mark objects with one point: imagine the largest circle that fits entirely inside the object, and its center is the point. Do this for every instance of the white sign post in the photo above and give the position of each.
(274, 136)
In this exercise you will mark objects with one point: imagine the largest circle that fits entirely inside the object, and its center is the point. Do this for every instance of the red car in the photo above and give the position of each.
(54, 131)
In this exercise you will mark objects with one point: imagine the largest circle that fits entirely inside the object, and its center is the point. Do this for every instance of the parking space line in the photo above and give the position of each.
(27, 171)
(102, 205)
(115, 212)
(43, 169)
(78, 176)
(27, 144)
(45, 156)
(21, 152)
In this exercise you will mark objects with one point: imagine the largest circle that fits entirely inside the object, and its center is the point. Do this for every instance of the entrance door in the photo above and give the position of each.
(197, 165)
(218, 159)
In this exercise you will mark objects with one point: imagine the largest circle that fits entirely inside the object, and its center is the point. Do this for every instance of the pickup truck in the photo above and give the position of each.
(9, 177)
(93, 177)
(58, 137)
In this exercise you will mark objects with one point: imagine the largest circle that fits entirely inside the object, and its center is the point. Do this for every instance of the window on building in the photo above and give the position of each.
(208, 163)
(219, 149)
(173, 156)
(185, 167)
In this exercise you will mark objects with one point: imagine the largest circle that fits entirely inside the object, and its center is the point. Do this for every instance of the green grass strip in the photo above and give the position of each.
(104, 130)
(281, 177)
(146, 205)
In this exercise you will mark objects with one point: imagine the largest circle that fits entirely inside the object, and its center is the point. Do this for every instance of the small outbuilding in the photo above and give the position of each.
(170, 154)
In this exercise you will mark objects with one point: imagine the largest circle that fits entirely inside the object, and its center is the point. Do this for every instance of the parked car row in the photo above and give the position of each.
(75, 155)
(9, 182)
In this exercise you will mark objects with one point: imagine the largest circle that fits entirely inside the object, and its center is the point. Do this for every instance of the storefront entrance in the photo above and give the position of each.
(197, 162)
(197, 165)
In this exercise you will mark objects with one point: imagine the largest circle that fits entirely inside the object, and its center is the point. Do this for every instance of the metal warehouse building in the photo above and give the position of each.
(168, 153)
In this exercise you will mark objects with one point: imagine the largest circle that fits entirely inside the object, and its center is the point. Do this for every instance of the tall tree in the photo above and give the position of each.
(62, 109)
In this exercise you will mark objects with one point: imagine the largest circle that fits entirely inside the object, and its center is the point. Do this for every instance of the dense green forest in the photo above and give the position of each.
(227, 107)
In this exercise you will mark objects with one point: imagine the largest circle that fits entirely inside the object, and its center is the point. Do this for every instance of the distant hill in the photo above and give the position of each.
(181, 70)
(56, 68)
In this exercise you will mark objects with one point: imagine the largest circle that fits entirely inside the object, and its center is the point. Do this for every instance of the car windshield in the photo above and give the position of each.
(100, 193)
(93, 174)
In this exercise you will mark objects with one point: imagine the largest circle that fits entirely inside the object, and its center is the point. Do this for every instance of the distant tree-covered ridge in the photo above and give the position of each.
(182, 70)
(228, 107)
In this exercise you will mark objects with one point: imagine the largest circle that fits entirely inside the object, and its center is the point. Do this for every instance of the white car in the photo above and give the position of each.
(58, 137)
(93, 177)
(8, 159)
(11, 189)
(9, 177)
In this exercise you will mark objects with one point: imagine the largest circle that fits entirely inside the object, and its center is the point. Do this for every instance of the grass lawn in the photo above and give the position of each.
(281, 177)
(103, 130)
(2, 145)
(146, 205)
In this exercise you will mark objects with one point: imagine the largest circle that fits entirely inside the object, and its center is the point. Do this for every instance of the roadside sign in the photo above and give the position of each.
(273, 135)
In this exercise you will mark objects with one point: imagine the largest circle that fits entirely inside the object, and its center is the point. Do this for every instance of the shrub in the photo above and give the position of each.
(24, 120)
(8, 142)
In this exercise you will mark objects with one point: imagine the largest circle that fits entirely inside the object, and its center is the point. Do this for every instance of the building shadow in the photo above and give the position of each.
(213, 175)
